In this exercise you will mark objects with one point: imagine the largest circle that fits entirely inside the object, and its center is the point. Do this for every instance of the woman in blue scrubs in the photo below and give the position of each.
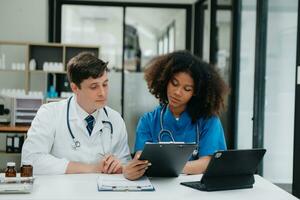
(191, 95)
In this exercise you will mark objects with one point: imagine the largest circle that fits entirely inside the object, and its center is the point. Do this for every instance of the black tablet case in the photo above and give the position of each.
(168, 159)
(232, 169)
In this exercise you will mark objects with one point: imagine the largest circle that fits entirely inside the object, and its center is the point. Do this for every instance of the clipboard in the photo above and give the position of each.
(117, 182)
(167, 158)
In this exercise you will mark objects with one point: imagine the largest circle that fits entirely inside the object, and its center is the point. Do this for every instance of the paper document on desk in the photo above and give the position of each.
(117, 182)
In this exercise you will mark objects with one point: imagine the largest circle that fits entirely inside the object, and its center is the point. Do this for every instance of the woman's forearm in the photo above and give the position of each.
(197, 166)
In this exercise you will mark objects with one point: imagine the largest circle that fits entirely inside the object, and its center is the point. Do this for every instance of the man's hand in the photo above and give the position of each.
(111, 165)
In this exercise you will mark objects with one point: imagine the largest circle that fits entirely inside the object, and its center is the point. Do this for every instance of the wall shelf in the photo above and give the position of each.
(43, 53)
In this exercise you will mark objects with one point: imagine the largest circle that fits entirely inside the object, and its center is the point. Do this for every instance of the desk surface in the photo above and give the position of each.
(84, 186)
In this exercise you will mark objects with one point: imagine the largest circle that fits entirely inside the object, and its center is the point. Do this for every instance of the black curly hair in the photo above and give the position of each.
(210, 90)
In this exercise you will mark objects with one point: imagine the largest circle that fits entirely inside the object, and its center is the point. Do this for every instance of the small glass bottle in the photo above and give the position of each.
(26, 169)
(11, 170)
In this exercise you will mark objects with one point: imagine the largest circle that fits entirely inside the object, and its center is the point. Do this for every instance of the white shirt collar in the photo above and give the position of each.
(82, 114)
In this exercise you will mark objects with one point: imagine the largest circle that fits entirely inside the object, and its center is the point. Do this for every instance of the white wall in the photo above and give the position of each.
(280, 93)
(22, 21)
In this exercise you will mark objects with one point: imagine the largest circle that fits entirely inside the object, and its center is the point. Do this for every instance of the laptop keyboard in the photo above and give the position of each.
(196, 184)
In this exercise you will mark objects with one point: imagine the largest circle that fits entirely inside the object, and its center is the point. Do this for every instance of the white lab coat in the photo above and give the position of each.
(49, 144)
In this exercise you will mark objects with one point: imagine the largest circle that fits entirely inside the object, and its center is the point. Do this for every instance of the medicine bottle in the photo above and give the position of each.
(26, 169)
(11, 170)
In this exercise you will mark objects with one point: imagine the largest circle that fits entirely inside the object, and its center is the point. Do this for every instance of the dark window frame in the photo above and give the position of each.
(296, 160)
(200, 7)
(166, 33)
(235, 67)
(259, 76)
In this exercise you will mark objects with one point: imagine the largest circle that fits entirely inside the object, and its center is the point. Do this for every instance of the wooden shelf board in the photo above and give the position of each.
(13, 129)
(11, 70)
(48, 72)
(11, 154)
(13, 43)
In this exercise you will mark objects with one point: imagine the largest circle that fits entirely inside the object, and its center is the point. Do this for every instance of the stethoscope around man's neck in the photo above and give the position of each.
(76, 143)
(167, 132)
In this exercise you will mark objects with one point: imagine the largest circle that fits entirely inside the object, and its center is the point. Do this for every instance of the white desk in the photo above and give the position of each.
(84, 186)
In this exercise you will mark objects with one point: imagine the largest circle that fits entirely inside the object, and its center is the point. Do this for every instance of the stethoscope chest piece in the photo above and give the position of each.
(76, 144)
(195, 153)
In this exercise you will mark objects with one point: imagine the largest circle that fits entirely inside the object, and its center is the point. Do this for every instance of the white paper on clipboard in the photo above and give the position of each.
(117, 182)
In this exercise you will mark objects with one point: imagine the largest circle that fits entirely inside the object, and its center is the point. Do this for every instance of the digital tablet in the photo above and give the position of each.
(231, 169)
(167, 159)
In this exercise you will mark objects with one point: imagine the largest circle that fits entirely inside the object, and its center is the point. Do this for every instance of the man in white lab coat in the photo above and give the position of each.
(80, 134)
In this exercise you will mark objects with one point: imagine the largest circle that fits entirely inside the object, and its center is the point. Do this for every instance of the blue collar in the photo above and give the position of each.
(168, 118)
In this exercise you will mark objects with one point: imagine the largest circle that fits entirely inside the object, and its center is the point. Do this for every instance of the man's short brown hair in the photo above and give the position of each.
(83, 66)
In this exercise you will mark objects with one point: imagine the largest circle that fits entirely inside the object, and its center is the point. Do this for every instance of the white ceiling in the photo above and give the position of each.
(154, 19)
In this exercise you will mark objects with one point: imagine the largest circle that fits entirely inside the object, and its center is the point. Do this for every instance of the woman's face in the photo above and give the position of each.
(180, 90)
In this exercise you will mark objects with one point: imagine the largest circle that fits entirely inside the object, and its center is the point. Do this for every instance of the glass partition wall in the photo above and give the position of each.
(143, 37)
(278, 127)
(280, 90)
(217, 40)
(100, 26)
(128, 37)
(246, 84)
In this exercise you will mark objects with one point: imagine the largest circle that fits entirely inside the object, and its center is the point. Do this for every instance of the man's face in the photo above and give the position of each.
(92, 93)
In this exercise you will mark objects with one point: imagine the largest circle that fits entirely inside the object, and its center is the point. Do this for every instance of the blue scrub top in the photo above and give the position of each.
(211, 131)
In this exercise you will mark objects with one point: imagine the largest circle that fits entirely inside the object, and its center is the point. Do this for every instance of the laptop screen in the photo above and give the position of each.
(234, 162)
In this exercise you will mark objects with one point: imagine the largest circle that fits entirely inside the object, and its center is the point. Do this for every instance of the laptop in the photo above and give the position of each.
(231, 169)
(167, 159)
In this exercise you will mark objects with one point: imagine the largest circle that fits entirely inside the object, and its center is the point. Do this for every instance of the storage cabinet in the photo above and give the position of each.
(71, 51)
(25, 109)
(45, 54)
(10, 131)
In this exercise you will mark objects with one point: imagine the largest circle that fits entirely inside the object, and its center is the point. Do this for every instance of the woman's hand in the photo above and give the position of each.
(135, 168)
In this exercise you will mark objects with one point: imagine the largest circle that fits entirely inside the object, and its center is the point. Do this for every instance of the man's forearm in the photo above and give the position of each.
(77, 167)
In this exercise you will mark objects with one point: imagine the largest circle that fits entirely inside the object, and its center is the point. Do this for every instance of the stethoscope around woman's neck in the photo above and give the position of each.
(167, 132)
(76, 143)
